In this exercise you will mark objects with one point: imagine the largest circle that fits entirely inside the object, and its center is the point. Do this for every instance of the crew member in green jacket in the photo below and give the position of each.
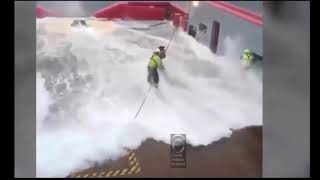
(249, 57)
(155, 62)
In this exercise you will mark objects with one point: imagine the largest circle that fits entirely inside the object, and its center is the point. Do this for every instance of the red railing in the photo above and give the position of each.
(245, 14)
(42, 12)
(145, 11)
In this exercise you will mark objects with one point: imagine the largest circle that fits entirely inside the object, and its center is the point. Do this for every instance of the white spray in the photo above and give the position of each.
(96, 82)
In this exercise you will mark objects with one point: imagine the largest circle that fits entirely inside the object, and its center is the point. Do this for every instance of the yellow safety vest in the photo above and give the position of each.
(155, 61)
(247, 58)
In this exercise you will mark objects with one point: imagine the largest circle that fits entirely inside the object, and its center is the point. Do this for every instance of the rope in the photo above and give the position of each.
(142, 103)
(171, 38)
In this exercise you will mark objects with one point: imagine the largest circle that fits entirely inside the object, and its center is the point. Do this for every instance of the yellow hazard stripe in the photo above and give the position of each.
(109, 173)
(138, 170)
(133, 168)
(130, 158)
(86, 175)
(101, 174)
(133, 161)
(133, 164)
(123, 172)
(116, 173)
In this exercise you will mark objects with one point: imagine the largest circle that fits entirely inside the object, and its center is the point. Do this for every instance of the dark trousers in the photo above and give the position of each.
(153, 75)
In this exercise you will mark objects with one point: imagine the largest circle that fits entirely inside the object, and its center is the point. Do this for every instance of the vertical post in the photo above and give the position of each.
(215, 36)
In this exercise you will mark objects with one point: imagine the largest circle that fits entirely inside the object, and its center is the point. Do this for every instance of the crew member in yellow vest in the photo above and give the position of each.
(248, 57)
(155, 62)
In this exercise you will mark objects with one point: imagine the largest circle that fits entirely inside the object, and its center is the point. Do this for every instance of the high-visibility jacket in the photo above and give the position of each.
(155, 61)
(247, 57)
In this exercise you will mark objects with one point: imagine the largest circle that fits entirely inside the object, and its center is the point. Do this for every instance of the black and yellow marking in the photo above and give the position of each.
(86, 175)
(123, 172)
(134, 168)
(116, 173)
(101, 175)
(109, 173)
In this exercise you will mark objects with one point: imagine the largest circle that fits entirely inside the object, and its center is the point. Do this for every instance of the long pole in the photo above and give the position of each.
(144, 100)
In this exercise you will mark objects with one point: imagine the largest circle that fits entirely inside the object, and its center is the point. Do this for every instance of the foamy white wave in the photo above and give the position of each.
(96, 82)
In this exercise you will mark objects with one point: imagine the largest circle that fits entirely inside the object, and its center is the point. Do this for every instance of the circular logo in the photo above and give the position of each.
(178, 143)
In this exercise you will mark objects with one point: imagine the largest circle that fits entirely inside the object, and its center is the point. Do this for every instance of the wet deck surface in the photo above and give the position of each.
(237, 156)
